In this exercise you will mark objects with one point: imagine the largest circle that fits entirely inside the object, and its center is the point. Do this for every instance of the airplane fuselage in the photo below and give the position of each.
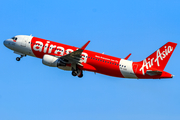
(93, 61)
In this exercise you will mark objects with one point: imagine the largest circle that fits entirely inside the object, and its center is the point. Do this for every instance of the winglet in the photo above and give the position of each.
(127, 56)
(84, 46)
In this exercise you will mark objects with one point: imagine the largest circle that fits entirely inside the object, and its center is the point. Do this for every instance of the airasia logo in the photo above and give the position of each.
(59, 50)
(159, 56)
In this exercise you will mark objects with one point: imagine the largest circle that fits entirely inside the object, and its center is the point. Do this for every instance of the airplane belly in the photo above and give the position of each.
(67, 68)
(126, 69)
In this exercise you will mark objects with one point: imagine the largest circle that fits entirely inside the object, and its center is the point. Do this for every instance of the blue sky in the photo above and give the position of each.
(30, 90)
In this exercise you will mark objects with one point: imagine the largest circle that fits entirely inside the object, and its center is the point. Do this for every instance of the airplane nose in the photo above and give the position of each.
(5, 43)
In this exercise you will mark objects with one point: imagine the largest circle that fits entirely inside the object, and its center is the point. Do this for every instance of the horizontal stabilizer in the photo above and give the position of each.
(152, 73)
(127, 56)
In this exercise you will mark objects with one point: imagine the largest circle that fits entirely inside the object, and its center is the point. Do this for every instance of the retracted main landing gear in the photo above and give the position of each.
(19, 58)
(77, 72)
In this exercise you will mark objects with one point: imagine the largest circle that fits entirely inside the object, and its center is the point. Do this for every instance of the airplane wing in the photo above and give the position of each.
(152, 73)
(75, 56)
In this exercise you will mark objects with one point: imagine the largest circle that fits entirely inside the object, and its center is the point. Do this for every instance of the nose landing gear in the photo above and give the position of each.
(19, 58)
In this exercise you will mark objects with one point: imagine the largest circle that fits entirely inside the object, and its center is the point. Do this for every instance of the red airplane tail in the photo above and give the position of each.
(158, 59)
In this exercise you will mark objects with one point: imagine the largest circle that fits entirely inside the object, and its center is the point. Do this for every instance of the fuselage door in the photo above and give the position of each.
(24, 41)
(135, 67)
(126, 69)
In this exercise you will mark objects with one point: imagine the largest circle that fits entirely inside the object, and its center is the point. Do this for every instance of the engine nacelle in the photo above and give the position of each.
(52, 61)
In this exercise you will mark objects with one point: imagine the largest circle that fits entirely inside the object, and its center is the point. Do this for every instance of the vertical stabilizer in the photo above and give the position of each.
(159, 59)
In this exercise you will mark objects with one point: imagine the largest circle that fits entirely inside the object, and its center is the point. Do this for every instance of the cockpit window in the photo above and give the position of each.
(14, 38)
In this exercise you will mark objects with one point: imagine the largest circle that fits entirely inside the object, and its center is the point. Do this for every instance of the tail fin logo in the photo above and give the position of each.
(150, 62)
(163, 54)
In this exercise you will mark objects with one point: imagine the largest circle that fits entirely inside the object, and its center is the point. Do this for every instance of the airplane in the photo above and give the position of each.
(77, 60)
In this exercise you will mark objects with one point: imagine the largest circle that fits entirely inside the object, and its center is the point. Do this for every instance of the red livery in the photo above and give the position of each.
(77, 60)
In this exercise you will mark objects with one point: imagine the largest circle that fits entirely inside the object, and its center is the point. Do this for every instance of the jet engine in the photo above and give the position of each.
(52, 61)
